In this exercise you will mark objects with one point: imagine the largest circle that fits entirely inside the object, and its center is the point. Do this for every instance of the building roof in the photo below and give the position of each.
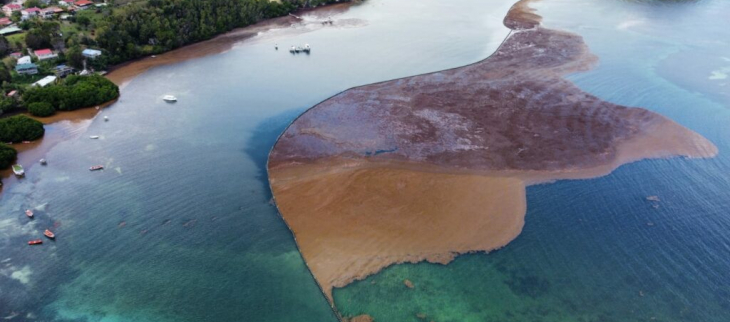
(43, 52)
(24, 60)
(45, 81)
(82, 3)
(5, 21)
(33, 9)
(16, 54)
(91, 52)
(13, 92)
(25, 66)
(13, 6)
(9, 30)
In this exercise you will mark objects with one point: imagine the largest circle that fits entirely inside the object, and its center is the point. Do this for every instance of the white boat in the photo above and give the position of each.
(293, 49)
(94, 137)
(106, 118)
(18, 170)
(169, 98)
(43, 162)
(307, 48)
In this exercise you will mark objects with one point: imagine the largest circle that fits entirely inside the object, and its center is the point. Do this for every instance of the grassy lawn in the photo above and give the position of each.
(17, 38)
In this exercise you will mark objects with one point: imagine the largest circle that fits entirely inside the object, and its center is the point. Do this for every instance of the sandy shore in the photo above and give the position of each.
(428, 167)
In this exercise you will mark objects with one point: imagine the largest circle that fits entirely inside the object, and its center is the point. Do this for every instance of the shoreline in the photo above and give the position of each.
(368, 235)
(63, 123)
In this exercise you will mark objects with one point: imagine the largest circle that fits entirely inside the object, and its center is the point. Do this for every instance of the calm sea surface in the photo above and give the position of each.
(179, 226)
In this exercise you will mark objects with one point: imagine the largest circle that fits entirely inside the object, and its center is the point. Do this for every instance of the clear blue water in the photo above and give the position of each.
(179, 225)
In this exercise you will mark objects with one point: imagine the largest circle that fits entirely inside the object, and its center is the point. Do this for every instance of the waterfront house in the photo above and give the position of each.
(91, 53)
(44, 54)
(30, 13)
(8, 9)
(26, 69)
(44, 81)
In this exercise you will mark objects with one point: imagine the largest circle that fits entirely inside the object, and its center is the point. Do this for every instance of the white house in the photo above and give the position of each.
(24, 60)
(91, 53)
(29, 13)
(45, 81)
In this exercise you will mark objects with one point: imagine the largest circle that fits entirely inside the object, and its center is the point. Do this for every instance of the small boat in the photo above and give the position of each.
(49, 234)
(29, 213)
(293, 49)
(169, 98)
(35, 242)
(94, 137)
(18, 170)
(43, 162)
(26, 142)
(106, 118)
(96, 167)
(307, 48)
(298, 49)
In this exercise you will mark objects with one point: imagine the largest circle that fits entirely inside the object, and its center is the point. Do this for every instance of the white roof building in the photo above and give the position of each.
(45, 81)
(24, 60)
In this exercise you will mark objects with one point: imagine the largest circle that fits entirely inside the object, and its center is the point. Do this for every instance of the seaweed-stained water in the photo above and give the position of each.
(178, 227)
(599, 250)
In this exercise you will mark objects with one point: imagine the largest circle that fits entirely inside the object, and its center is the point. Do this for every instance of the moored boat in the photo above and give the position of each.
(96, 167)
(35, 242)
(29, 213)
(18, 170)
(43, 162)
(169, 98)
(49, 234)
(93, 137)
(106, 118)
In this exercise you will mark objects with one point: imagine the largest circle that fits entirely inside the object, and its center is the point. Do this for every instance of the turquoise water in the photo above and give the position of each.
(598, 250)
(179, 226)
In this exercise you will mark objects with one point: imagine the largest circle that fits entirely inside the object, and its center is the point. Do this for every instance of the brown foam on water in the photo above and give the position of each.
(428, 167)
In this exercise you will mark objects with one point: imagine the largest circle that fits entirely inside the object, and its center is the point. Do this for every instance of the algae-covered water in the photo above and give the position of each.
(598, 250)
(179, 226)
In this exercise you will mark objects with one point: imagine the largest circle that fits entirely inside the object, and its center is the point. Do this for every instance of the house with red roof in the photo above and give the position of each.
(8, 9)
(5, 21)
(30, 12)
(83, 4)
(44, 54)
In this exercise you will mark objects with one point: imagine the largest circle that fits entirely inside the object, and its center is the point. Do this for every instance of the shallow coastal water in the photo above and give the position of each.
(179, 225)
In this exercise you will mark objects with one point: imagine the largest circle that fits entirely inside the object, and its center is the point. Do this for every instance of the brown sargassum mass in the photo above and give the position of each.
(428, 167)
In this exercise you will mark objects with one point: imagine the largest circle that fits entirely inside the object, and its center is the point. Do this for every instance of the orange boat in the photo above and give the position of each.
(96, 167)
(49, 234)
(35, 242)
(29, 213)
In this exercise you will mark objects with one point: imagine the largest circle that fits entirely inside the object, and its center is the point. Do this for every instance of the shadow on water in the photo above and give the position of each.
(263, 138)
